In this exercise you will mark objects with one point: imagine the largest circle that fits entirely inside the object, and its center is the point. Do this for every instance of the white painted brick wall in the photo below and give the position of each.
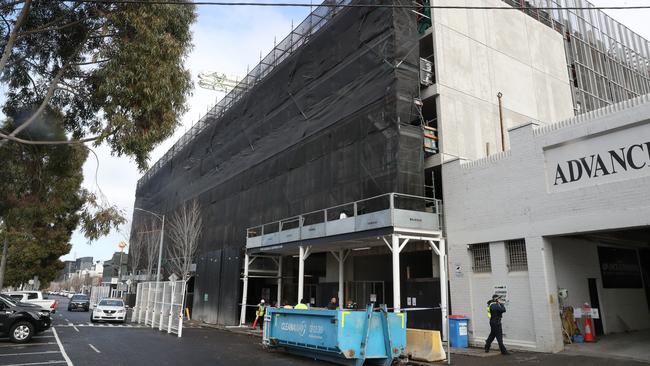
(505, 197)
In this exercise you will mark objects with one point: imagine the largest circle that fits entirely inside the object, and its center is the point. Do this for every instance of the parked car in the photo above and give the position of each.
(79, 302)
(21, 321)
(109, 310)
(34, 297)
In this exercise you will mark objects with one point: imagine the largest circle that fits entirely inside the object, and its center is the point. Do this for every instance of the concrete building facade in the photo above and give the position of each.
(566, 207)
(481, 54)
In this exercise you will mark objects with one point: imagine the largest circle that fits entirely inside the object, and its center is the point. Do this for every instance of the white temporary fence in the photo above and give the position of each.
(97, 293)
(160, 305)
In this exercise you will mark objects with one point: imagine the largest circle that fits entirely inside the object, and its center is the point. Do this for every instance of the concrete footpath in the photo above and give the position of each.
(476, 356)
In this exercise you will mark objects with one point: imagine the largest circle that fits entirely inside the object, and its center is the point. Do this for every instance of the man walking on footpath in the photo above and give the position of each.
(495, 310)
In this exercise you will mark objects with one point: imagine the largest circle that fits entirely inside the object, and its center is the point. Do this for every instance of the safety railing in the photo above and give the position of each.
(299, 36)
(390, 209)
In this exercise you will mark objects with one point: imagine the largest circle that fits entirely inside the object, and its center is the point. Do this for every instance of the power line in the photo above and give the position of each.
(333, 5)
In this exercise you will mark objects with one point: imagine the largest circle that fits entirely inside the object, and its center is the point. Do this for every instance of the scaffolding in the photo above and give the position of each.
(392, 220)
(298, 37)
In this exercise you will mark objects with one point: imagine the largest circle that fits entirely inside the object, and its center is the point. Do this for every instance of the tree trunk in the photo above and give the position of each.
(3, 263)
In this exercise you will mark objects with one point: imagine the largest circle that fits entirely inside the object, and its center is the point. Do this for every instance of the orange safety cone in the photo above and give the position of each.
(589, 335)
(255, 323)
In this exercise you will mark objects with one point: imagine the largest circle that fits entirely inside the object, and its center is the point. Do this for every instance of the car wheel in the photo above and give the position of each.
(69, 309)
(21, 332)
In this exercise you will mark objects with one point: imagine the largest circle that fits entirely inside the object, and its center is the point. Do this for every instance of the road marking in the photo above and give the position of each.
(39, 337)
(36, 363)
(94, 348)
(65, 355)
(75, 328)
(66, 319)
(25, 345)
(100, 325)
(27, 353)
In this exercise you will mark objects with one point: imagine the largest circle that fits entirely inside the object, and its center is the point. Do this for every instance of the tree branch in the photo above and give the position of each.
(48, 96)
(90, 62)
(14, 33)
(61, 142)
(69, 91)
(11, 4)
(47, 29)
(41, 108)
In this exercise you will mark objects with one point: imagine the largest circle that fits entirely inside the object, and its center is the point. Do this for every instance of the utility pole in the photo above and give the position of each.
(3, 261)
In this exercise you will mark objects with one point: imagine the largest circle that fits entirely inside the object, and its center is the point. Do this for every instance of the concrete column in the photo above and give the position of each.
(242, 316)
(442, 260)
(543, 286)
(397, 302)
(279, 281)
(301, 272)
(341, 279)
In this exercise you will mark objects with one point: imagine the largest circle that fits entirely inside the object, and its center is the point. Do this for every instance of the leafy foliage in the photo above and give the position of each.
(112, 70)
(109, 72)
(42, 202)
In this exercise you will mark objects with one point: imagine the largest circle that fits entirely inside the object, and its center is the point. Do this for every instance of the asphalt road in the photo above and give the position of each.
(75, 341)
(98, 344)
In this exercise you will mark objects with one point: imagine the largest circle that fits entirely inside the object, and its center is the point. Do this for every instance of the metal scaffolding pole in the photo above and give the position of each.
(301, 272)
(443, 286)
(341, 256)
(280, 281)
(341, 263)
(440, 250)
(303, 254)
(242, 317)
(397, 304)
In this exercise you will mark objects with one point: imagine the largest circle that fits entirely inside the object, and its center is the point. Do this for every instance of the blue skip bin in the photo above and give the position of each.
(346, 337)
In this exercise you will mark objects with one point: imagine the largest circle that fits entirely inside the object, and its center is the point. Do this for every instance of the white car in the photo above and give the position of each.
(109, 310)
(34, 297)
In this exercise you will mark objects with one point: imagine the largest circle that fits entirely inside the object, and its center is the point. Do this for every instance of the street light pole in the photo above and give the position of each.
(160, 217)
(160, 248)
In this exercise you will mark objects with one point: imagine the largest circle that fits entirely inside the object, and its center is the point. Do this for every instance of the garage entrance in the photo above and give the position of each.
(611, 272)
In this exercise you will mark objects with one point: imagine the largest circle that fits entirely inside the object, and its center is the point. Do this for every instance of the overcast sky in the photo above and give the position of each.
(228, 39)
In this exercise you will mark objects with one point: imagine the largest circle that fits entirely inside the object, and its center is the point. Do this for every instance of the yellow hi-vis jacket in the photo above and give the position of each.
(261, 310)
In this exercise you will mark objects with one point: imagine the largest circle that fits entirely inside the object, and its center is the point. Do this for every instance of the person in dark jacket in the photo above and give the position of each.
(333, 304)
(495, 310)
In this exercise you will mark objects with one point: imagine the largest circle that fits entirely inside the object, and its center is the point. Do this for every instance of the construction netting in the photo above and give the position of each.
(333, 121)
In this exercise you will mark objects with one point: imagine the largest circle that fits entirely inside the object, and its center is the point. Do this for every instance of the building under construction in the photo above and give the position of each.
(320, 175)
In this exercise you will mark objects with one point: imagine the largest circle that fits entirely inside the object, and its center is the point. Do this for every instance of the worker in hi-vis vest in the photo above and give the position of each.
(495, 310)
(259, 313)
(302, 305)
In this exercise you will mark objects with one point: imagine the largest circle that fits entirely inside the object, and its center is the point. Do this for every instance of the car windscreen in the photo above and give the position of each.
(111, 303)
(8, 299)
(79, 298)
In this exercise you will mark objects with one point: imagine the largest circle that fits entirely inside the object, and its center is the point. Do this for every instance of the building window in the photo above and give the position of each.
(516, 252)
(481, 258)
